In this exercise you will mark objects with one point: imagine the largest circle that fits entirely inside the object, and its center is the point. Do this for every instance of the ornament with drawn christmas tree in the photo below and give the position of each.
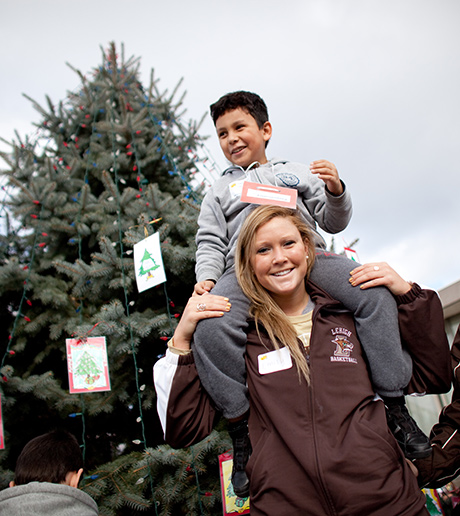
(232, 504)
(148, 263)
(88, 365)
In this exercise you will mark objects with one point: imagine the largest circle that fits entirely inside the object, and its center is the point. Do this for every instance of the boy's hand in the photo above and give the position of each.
(327, 172)
(203, 287)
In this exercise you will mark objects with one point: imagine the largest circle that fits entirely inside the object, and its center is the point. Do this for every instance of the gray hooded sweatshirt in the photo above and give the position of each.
(46, 499)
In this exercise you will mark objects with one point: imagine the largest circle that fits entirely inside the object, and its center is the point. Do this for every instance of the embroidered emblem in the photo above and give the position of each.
(343, 346)
(288, 179)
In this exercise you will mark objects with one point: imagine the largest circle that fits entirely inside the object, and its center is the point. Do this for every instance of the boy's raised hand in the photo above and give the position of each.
(203, 287)
(328, 173)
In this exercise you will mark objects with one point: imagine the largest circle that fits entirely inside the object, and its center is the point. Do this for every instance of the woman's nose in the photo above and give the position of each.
(278, 255)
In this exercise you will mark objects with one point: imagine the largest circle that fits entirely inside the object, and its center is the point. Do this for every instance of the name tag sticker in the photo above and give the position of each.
(273, 361)
(236, 188)
(257, 193)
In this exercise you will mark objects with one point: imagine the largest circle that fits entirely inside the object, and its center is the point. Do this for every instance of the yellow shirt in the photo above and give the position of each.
(302, 324)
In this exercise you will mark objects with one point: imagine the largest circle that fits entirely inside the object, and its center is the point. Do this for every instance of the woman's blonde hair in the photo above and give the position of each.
(263, 308)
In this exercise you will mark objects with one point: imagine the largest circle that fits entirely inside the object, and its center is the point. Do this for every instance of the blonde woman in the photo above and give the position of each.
(321, 445)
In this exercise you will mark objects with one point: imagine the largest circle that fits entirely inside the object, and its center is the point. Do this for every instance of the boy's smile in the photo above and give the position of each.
(241, 139)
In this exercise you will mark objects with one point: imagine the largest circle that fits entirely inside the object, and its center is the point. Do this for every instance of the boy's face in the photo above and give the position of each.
(241, 139)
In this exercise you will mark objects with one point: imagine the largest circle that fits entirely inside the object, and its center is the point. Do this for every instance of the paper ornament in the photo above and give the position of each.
(231, 503)
(148, 263)
(87, 365)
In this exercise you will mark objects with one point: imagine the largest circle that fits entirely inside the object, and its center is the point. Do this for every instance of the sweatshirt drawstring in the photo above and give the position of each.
(253, 168)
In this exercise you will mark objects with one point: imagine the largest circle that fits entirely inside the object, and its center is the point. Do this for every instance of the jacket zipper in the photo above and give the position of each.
(329, 503)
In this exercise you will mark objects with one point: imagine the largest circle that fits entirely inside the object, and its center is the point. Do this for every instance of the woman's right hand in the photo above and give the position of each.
(198, 307)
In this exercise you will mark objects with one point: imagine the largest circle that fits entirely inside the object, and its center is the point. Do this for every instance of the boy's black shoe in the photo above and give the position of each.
(413, 442)
(241, 452)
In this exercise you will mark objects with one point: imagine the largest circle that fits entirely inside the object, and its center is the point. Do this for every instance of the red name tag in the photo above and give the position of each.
(257, 193)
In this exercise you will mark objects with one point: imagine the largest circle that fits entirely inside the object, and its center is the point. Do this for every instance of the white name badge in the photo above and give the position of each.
(257, 193)
(273, 361)
(236, 188)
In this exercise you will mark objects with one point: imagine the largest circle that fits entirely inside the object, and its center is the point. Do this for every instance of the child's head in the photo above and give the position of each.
(245, 100)
(242, 126)
(53, 457)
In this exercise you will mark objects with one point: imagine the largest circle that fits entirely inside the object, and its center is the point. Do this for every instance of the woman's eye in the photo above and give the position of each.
(289, 243)
(262, 250)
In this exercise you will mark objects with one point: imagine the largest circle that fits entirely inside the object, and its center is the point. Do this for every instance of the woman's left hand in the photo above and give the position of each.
(199, 307)
(379, 274)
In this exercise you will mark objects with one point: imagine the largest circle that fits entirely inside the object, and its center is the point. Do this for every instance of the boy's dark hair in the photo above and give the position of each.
(48, 458)
(249, 102)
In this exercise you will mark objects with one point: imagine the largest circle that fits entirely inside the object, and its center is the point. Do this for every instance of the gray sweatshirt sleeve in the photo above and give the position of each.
(212, 240)
(332, 213)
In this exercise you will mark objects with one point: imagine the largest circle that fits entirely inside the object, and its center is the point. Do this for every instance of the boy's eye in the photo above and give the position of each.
(222, 134)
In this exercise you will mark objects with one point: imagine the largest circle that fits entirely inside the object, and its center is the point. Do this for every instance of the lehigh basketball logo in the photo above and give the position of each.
(343, 346)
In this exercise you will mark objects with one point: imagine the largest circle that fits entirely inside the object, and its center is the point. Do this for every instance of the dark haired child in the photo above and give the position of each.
(46, 479)
(243, 130)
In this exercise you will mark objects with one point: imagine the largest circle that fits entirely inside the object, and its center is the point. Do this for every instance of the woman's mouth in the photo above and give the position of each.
(282, 273)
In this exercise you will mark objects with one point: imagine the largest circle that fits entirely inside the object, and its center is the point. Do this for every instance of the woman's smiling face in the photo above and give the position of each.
(279, 258)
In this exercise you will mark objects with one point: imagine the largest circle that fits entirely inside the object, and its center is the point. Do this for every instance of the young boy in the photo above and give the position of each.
(46, 479)
(243, 129)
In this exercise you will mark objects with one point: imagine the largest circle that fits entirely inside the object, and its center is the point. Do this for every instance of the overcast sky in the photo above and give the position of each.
(373, 86)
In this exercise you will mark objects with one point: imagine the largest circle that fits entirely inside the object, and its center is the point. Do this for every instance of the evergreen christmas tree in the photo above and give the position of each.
(112, 163)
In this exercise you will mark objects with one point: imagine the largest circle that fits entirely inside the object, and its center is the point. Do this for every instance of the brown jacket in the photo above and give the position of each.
(323, 448)
(444, 464)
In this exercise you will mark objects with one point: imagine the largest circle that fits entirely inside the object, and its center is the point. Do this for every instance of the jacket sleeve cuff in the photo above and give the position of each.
(176, 359)
(208, 275)
(177, 351)
(410, 296)
(333, 195)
